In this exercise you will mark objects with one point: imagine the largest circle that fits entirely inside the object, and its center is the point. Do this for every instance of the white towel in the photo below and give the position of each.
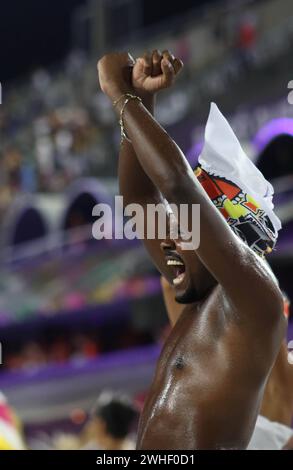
(269, 435)
(223, 156)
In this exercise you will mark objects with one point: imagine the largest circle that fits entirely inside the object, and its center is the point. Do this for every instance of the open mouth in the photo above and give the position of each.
(178, 268)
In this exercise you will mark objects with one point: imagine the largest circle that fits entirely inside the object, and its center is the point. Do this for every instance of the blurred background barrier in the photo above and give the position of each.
(79, 315)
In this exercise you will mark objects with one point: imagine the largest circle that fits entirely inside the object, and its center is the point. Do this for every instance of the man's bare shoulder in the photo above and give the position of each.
(260, 323)
(263, 296)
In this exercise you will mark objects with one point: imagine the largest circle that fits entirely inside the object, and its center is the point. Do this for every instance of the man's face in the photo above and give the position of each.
(190, 278)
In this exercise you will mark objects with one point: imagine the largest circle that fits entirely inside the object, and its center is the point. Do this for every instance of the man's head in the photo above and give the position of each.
(113, 417)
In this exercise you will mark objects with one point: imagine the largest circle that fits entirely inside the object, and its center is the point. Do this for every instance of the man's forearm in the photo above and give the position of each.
(159, 156)
(135, 185)
(149, 101)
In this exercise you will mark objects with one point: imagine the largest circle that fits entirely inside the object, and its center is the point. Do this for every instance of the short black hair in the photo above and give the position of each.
(117, 412)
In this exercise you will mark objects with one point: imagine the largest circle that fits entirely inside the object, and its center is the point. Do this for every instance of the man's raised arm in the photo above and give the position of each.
(135, 185)
(243, 275)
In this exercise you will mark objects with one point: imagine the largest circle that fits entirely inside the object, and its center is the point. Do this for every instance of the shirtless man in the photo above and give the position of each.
(274, 425)
(211, 374)
(277, 402)
(273, 429)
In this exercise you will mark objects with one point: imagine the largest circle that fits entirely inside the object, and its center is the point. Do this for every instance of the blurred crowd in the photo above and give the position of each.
(56, 126)
(110, 425)
(55, 129)
(70, 283)
(65, 345)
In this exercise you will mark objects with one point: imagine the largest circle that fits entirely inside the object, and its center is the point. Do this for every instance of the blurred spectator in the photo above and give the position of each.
(111, 423)
(276, 160)
(247, 32)
(109, 426)
(10, 435)
(246, 40)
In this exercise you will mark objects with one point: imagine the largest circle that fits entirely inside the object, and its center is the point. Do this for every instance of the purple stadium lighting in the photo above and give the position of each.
(194, 153)
(271, 130)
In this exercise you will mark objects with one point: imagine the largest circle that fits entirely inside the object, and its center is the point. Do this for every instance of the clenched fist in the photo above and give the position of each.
(155, 72)
(119, 73)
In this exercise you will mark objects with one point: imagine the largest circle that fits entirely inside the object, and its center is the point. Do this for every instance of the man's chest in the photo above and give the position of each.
(200, 332)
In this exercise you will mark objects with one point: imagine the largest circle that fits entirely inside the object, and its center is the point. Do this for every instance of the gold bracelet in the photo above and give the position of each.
(125, 95)
(119, 99)
(129, 97)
